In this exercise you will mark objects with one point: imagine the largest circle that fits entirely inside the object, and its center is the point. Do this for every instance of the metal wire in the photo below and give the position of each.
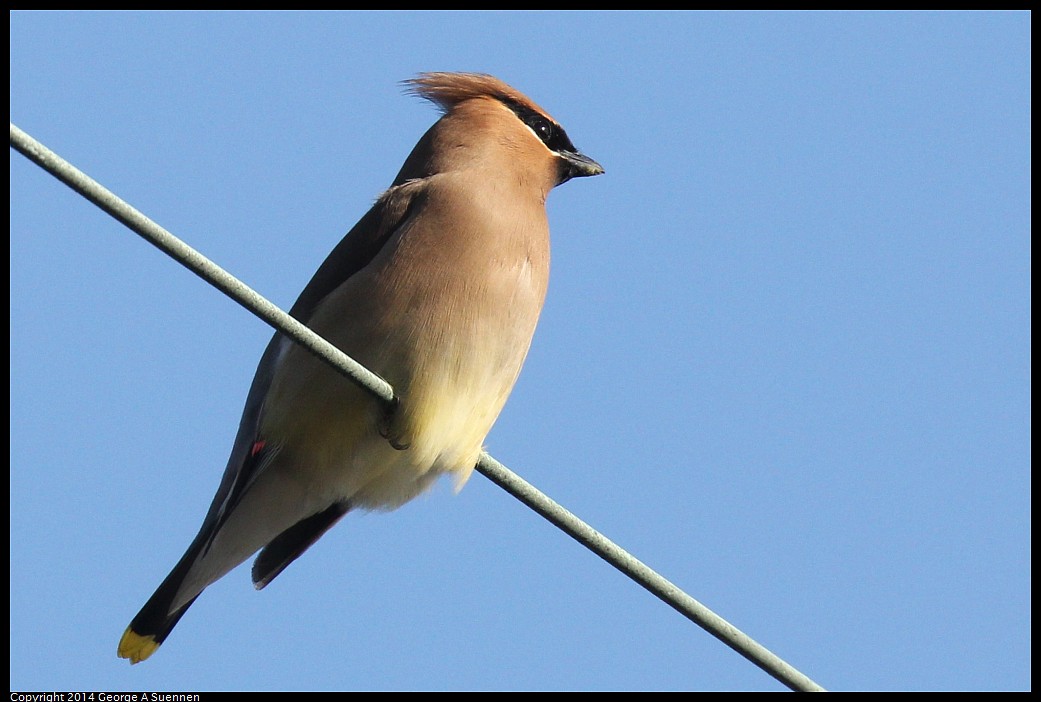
(486, 465)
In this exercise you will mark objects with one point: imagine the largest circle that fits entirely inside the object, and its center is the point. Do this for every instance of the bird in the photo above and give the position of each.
(437, 289)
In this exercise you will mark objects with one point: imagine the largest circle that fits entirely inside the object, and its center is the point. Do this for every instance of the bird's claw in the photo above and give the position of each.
(386, 430)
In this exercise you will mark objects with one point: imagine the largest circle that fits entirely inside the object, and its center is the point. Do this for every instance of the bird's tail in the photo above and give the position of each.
(155, 621)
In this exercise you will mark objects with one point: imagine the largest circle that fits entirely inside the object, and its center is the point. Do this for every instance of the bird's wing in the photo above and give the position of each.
(251, 452)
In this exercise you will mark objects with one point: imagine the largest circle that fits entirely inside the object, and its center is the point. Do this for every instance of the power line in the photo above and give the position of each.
(499, 474)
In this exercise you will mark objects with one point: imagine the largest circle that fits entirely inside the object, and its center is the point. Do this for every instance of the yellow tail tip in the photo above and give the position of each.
(136, 647)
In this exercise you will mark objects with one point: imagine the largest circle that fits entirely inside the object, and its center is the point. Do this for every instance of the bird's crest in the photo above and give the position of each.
(446, 90)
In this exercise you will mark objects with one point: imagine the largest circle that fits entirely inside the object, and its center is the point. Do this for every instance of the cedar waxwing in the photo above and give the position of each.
(437, 290)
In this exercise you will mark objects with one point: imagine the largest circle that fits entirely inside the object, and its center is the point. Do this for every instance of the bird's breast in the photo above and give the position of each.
(448, 324)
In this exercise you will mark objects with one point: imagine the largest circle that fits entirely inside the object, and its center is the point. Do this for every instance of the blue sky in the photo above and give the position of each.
(785, 358)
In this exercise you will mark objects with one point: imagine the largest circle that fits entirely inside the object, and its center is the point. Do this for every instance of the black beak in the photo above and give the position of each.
(576, 165)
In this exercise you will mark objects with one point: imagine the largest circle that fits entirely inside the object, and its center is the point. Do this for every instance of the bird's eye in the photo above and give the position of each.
(551, 133)
(542, 127)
